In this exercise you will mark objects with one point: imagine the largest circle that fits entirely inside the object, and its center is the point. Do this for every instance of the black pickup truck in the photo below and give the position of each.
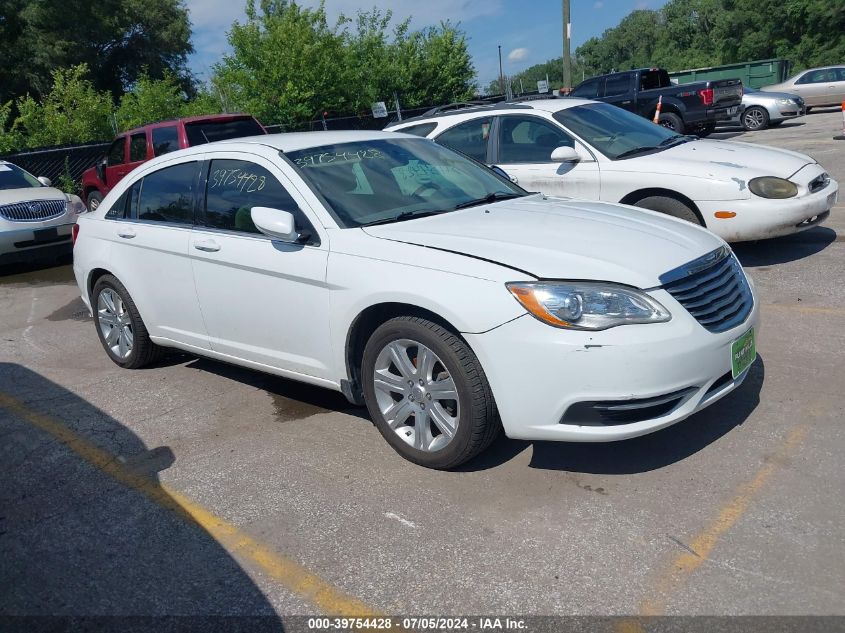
(693, 108)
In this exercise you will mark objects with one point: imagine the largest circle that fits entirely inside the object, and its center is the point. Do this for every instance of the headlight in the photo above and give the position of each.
(586, 305)
(771, 187)
(74, 204)
(785, 101)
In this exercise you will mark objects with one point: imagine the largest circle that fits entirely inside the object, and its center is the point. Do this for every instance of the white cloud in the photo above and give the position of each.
(598, 4)
(517, 54)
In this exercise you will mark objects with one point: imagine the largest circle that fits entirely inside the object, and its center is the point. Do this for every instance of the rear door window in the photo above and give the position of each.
(165, 139)
(469, 138)
(167, 195)
(617, 85)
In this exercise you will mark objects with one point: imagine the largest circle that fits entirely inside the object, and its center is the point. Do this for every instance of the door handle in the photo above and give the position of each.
(126, 233)
(626, 103)
(209, 246)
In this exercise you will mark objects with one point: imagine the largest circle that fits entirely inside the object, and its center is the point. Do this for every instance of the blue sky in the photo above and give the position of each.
(528, 31)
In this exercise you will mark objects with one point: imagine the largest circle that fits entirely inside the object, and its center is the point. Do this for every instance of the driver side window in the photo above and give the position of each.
(117, 152)
(524, 139)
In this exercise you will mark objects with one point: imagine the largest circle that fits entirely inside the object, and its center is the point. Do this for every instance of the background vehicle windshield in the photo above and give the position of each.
(13, 177)
(369, 181)
(613, 131)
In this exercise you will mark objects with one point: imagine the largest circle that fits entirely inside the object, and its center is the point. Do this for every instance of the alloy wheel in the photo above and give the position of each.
(416, 394)
(115, 323)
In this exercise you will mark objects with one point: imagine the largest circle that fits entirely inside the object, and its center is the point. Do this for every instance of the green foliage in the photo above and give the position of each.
(66, 182)
(72, 112)
(121, 39)
(10, 139)
(288, 64)
(687, 34)
(151, 100)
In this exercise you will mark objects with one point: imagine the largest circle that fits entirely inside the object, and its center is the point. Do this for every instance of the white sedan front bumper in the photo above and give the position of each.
(761, 218)
(537, 372)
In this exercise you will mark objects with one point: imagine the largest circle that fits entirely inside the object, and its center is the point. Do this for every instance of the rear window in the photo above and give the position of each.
(654, 79)
(418, 130)
(209, 131)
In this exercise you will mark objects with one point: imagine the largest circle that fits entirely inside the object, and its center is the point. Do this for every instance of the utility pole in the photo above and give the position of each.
(501, 74)
(567, 32)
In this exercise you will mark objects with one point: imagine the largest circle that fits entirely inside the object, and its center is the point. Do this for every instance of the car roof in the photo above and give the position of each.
(187, 119)
(504, 107)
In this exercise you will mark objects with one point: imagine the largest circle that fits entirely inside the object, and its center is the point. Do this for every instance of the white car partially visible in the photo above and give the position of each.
(35, 218)
(595, 151)
(398, 272)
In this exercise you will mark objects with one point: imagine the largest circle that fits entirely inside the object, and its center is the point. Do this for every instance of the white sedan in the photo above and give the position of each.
(398, 272)
(35, 218)
(596, 151)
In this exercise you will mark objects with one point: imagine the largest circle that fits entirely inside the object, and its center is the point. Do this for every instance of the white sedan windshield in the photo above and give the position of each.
(386, 180)
(615, 132)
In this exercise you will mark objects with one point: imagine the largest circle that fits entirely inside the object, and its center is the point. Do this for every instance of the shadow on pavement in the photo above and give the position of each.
(781, 250)
(76, 543)
(640, 454)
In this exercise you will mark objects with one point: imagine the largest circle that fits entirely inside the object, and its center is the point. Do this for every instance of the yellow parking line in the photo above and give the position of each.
(800, 308)
(702, 545)
(285, 571)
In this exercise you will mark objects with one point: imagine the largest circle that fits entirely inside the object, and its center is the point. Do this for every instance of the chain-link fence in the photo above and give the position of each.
(60, 164)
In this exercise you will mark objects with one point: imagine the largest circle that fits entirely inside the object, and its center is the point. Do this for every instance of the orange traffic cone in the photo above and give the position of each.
(659, 106)
(841, 137)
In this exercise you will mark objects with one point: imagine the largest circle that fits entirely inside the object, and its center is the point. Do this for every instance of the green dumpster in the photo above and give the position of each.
(755, 74)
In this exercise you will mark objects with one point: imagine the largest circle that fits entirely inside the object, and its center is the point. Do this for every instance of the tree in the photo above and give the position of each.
(72, 112)
(120, 39)
(289, 65)
(151, 100)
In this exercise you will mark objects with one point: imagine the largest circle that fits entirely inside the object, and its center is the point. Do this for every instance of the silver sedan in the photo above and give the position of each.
(768, 109)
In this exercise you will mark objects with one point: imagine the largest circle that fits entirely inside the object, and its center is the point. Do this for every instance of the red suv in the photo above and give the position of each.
(130, 149)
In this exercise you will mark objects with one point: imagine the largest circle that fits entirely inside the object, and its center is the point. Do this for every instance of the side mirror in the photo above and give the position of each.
(565, 154)
(275, 223)
(101, 169)
(45, 181)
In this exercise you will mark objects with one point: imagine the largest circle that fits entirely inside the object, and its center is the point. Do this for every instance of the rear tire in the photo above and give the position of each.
(119, 325)
(429, 361)
(755, 118)
(670, 206)
(94, 200)
(672, 121)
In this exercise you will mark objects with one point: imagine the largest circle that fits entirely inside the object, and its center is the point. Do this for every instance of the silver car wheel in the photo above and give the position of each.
(754, 118)
(115, 323)
(416, 395)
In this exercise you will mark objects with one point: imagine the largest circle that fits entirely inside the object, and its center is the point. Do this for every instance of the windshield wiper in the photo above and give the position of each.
(405, 215)
(493, 197)
(677, 140)
(637, 150)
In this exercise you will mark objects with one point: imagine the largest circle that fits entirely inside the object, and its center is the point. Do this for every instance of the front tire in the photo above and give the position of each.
(670, 206)
(427, 393)
(755, 118)
(120, 327)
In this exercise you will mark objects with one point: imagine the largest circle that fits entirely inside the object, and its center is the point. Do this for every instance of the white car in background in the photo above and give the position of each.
(398, 272)
(35, 218)
(595, 151)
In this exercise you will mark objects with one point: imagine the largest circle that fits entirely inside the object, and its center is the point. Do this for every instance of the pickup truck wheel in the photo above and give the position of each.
(427, 393)
(120, 327)
(94, 200)
(669, 206)
(755, 118)
(672, 121)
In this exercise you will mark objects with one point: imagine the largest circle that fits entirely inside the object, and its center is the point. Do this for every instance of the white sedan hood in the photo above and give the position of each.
(26, 194)
(724, 160)
(557, 238)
